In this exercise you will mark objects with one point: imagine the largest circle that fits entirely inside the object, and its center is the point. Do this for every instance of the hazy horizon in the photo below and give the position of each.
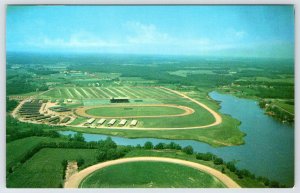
(204, 31)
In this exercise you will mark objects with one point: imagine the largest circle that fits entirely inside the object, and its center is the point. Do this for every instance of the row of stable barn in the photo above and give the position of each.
(111, 122)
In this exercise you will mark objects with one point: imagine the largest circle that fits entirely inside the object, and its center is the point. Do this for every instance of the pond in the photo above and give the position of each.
(268, 149)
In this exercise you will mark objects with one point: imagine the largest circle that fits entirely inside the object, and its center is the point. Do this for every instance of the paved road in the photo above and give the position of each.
(74, 181)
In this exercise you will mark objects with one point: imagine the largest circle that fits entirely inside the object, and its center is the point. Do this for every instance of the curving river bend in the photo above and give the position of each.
(268, 149)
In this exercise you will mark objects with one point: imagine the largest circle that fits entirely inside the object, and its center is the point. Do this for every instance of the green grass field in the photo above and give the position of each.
(44, 169)
(265, 79)
(289, 108)
(134, 111)
(150, 175)
(78, 121)
(185, 73)
(15, 150)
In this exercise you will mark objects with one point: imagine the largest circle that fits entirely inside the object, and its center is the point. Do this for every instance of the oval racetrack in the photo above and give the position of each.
(74, 181)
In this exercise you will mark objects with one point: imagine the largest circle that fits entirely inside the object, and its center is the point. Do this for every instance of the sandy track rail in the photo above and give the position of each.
(75, 180)
(82, 111)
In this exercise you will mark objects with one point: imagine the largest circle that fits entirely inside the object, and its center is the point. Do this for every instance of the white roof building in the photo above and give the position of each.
(123, 122)
(133, 123)
(111, 122)
(90, 121)
(101, 121)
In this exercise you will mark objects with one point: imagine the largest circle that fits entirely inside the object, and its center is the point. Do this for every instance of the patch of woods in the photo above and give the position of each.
(11, 104)
(18, 130)
(23, 84)
(265, 89)
(276, 112)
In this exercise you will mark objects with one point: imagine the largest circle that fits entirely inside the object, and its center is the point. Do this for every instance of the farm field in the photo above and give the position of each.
(158, 175)
(15, 150)
(44, 169)
(106, 93)
(287, 107)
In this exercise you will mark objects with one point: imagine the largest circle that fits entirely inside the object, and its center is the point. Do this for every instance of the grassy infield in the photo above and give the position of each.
(134, 111)
(149, 174)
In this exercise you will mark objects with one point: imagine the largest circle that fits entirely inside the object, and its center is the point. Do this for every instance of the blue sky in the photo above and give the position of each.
(247, 31)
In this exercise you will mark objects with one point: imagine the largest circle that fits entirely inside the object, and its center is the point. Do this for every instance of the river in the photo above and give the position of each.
(268, 149)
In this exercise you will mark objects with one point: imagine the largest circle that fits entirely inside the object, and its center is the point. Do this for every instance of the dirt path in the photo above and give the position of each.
(74, 180)
(72, 168)
(82, 111)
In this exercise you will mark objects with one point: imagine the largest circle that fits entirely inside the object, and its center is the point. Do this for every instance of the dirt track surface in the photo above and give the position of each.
(82, 111)
(74, 180)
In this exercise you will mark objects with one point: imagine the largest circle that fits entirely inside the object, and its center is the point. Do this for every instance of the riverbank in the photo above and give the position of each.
(270, 107)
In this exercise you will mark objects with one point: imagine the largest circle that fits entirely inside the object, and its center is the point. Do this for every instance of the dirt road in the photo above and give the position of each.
(74, 181)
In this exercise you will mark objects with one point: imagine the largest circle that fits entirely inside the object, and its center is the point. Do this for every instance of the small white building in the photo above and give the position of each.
(90, 121)
(101, 121)
(111, 122)
(133, 123)
(123, 122)
(69, 100)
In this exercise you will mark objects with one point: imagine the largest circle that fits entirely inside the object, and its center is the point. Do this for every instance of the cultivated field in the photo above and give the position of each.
(107, 93)
(44, 169)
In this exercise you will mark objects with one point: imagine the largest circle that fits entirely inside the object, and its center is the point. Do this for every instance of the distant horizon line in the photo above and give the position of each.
(145, 54)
